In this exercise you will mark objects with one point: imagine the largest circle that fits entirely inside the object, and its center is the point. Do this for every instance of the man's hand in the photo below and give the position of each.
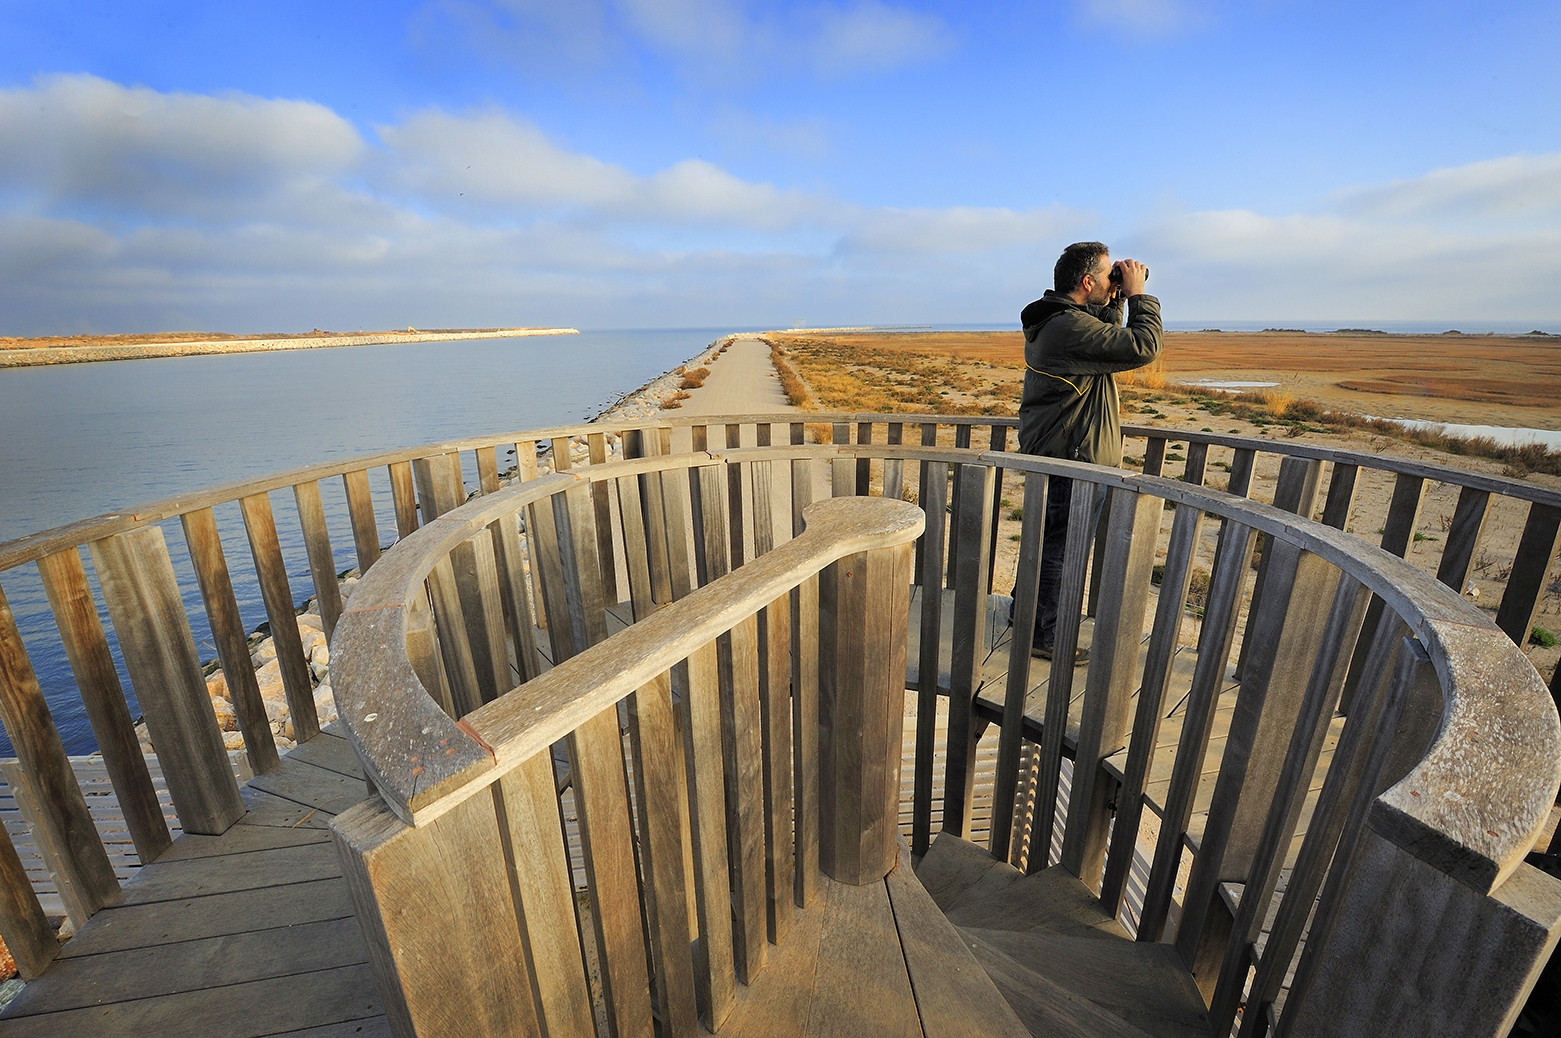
(1134, 274)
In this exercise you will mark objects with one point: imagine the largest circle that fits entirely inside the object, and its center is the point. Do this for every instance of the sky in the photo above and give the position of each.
(699, 163)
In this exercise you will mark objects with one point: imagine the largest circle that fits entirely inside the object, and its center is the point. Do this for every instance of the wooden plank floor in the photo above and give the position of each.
(241, 935)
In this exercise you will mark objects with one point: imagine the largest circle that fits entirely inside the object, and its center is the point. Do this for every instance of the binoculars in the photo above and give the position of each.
(1116, 275)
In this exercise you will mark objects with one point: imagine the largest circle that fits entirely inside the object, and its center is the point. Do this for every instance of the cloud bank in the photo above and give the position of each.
(123, 208)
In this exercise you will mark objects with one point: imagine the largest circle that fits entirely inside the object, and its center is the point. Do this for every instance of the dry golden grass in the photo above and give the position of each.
(693, 378)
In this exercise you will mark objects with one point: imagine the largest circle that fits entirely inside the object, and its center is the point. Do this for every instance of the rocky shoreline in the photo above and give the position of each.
(39, 355)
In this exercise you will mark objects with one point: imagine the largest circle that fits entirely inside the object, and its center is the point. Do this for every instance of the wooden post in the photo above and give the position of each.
(360, 507)
(1520, 599)
(864, 602)
(322, 561)
(271, 570)
(972, 489)
(412, 889)
(143, 601)
(46, 787)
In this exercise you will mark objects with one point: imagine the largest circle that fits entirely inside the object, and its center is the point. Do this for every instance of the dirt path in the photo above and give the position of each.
(741, 381)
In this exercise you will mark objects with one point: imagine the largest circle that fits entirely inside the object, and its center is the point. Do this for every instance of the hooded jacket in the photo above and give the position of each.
(1071, 350)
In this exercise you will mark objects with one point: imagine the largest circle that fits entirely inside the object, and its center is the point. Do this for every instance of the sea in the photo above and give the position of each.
(79, 440)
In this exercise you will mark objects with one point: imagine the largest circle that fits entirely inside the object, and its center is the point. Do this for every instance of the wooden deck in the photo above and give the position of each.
(245, 934)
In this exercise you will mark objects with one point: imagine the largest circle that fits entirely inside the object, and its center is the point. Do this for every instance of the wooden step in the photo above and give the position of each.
(953, 867)
(1142, 984)
(1052, 901)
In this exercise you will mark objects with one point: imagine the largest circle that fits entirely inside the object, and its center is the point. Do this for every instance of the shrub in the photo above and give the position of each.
(1540, 636)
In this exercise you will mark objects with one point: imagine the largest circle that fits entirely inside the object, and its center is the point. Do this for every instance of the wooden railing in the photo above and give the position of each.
(1466, 776)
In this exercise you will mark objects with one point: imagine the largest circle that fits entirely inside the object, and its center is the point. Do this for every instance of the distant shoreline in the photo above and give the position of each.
(34, 356)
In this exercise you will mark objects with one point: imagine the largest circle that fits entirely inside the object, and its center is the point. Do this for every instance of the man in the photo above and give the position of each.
(1073, 343)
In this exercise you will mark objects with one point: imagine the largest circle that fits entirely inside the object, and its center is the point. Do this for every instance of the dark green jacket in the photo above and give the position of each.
(1070, 405)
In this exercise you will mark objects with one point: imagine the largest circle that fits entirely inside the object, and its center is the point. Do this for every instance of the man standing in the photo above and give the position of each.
(1073, 343)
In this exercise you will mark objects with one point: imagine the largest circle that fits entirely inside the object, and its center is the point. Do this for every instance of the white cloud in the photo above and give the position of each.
(960, 229)
(1511, 187)
(1145, 19)
(81, 139)
(873, 37)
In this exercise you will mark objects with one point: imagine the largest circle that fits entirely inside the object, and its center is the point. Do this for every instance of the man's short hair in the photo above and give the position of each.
(1077, 260)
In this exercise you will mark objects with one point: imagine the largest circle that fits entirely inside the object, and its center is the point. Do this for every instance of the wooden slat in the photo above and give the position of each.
(741, 737)
(439, 486)
(660, 796)
(143, 601)
(999, 444)
(542, 535)
(933, 493)
(1309, 732)
(972, 491)
(1164, 640)
(1530, 568)
(894, 468)
(1463, 537)
(962, 442)
(929, 438)
(775, 707)
(805, 664)
(271, 571)
(1197, 462)
(515, 597)
(1026, 585)
(453, 643)
(27, 933)
(86, 646)
(409, 900)
(1397, 535)
(534, 845)
(227, 630)
(1131, 534)
(714, 981)
(46, 787)
(1294, 491)
(322, 561)
(404, 497)
(1340, 786)
(1059, 690)
(1285, 634)
(601, 499)
(482, 606)
(736, 490)
(864, 466)
(1154, 456)
(1341, 495)
(360, 508)
(1214, 643)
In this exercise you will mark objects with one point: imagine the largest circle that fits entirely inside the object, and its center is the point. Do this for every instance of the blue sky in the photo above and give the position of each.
(631, 163)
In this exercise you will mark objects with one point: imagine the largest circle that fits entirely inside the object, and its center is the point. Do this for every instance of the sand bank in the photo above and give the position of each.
(80, 354)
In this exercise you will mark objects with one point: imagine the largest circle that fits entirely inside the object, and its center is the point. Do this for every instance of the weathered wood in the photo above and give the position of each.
(971, 519)
(271, 572)
(1284, 634)
(26, 931)
(1197, 462)
(482, 607)
(864, 466)
(1097, 566)
(515, 597)
(742, 733)
(863, 631)
(439, 486)
(1154, 456)
(999, 444)
(1005, 785)
(860, 982)
(601, 500)
(46, 788)
(542, 535)
(1242, 466)
(1308, 734)
(954, 996)
(227, 630)
(1341, 495)
(1130, 540)
(1463, 537)
(804, 741)
(1294, 491)
(714, 982)
(736, 489)
(86, 646)
(1164, 640)
(1397, 535)
(1530, 568)
(929, 438)
(1230, 569)
(403, 495)
(894, 468)
(961, 442)
(1070, 596)
(143, 601)
(539, 862)
(322, 561)
(933, 493)
(452, 641)
(775, 709)
(360, 508)
(1340, 787)
(659, 797)
(409, 899)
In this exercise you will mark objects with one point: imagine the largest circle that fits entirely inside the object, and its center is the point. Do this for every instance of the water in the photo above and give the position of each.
(1506, 435)
(78, 440)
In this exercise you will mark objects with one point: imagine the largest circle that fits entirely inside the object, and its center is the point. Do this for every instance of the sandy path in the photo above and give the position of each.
(741, 381)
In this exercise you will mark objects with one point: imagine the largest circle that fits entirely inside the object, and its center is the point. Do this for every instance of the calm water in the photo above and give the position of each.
(78, 440)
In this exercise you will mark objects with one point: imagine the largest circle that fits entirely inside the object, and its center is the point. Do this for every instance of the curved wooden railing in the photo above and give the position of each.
(1491, 762)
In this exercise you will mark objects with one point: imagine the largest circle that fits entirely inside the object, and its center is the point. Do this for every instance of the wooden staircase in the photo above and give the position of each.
(1065, 966)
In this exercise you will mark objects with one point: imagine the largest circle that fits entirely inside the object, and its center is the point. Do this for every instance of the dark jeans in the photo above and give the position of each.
(1054, 542)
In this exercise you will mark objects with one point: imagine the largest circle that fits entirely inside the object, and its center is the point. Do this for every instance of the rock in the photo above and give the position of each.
(310, 620)
(320, 671)
(263, 654)
(347, 585)
(321, 655)
(217, 685)
(269, 678)
(324, 705)
(283, 745)
(233, 740)
(275, 711)
(227, 720)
